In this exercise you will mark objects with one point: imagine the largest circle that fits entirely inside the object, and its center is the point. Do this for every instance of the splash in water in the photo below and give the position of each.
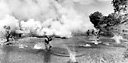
(95, 40)
(39, 46)
(72, 57)
(72, 54)
(117, 38)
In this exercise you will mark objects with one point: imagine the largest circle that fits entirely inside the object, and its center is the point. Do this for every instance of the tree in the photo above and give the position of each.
(119, 5)
(113, 20)
(95, 18)
(107, 23)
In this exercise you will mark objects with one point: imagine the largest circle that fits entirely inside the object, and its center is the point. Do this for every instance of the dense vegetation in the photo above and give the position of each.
(114, 21)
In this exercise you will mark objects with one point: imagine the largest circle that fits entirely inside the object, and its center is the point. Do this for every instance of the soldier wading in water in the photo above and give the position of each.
(47, 42)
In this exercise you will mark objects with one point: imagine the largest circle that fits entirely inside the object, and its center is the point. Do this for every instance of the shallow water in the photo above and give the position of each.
(17, 55)
(59, 54)
(13, 54)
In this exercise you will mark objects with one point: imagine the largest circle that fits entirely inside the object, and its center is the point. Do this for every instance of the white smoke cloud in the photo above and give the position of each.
(86, 2)
(8, 21)
(90, 1)
(43, 17)
(4, 10)
(103, 0)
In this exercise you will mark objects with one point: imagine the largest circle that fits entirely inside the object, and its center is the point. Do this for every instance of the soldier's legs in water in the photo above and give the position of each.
(47, 45)
(47, 42)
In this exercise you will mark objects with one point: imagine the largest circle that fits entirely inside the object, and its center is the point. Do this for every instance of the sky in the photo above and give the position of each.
(90, 6)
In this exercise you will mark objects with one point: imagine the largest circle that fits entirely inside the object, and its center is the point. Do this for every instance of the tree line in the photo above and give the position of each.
(108, 24)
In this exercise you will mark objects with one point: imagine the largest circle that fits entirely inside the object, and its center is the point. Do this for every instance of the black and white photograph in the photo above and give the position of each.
(63, 31)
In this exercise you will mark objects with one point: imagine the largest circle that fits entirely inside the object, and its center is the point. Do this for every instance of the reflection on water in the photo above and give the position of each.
(10, 54)
(5, 53)
(14, 54)
(47, 56)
